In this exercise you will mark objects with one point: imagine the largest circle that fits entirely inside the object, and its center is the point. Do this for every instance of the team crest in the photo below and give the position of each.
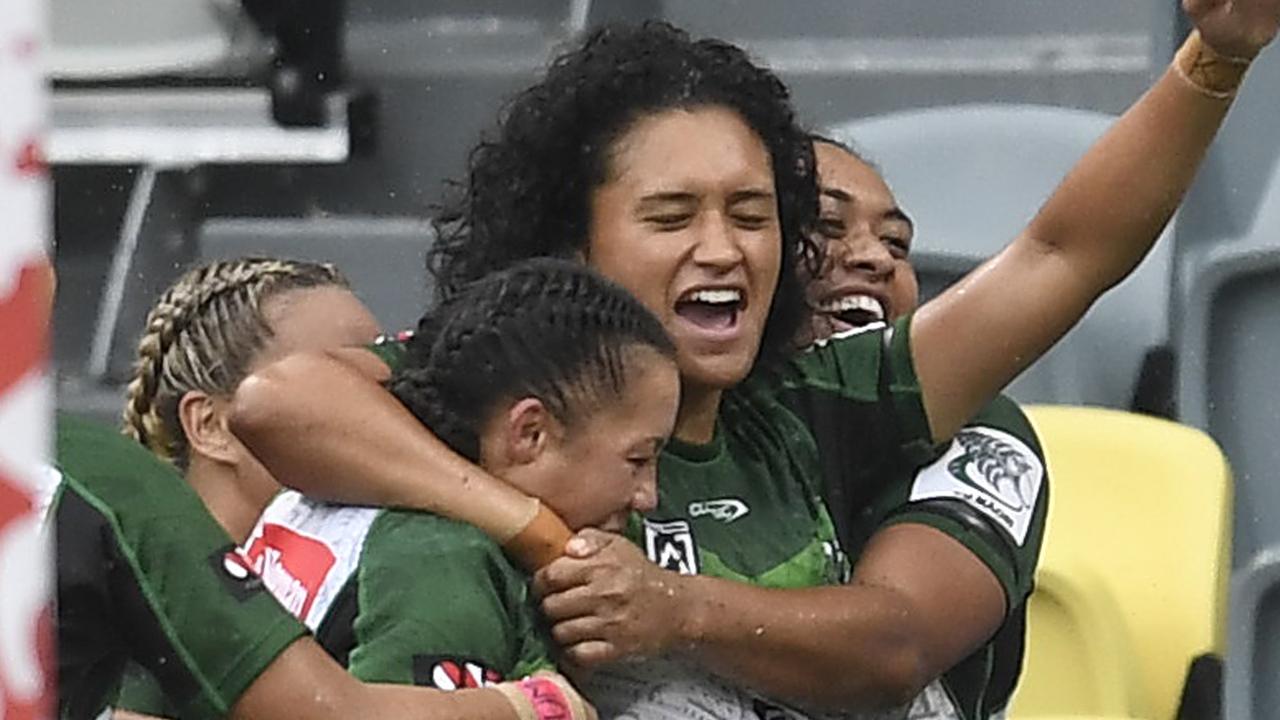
(992, 471)
(670, 545)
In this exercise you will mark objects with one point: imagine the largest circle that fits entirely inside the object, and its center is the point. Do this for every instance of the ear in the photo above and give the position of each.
(528, 431)
(204, 421)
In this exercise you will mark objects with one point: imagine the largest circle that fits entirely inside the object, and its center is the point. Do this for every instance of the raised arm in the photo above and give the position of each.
(1095, 228)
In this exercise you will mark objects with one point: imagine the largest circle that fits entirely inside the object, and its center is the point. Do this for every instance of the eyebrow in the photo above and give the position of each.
(893, 213)
(750, 194)
(666, 196)
(898, 213)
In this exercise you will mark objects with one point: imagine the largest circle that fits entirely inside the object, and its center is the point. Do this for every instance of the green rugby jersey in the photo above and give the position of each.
(842, 427)
(146, 575)
(807, 462)
(990, 491)
(400, 597)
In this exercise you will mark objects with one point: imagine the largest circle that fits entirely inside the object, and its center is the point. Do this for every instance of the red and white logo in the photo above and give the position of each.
(452, 673)
(292, 565)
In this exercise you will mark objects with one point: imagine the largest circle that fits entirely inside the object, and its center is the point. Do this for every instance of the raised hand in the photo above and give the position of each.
(1235, 28)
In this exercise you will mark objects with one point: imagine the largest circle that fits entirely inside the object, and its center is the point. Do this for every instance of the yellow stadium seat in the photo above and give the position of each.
(1133, 574)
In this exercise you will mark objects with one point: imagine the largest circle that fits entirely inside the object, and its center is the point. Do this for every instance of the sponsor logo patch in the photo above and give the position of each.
(724, 509)
(446, 673)
(670, 545)
(292, 565)
(237, 576)
(994, 472)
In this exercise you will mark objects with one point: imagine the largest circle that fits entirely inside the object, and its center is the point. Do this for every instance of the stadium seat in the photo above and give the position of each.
(1254, 660)
(1132, 581)
(972, 176)
(115, 39)
(383, 257)
(1228, 348)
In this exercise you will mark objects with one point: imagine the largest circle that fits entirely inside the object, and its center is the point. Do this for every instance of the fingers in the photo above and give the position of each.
(585, 552)
(578, 630)
(561, 575)
(588, 542)
(592, 653)
(574, 602)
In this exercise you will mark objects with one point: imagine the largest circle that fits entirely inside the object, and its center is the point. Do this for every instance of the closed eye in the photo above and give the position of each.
(898, 246)
(639, 464)
(674, 221)
(752, 222)
(832, 228)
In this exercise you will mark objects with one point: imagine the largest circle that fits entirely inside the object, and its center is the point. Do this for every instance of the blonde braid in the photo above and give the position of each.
(202, 334)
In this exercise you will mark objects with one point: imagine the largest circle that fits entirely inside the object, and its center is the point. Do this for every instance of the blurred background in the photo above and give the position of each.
(193, 129)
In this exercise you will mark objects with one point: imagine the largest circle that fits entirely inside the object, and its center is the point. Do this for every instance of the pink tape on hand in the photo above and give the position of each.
(548, 700)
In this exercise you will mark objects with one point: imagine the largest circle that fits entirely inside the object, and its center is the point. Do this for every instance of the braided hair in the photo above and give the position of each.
(549, 329)
(528, 190)
(203, 334)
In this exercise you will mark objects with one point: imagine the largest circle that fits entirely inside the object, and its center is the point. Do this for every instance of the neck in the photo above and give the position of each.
(235, 504)
(696, 420)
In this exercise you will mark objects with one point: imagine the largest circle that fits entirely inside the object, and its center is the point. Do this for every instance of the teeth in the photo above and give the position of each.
(716, 297)
(865, 303)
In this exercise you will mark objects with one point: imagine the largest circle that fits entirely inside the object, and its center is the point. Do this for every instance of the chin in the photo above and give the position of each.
(716, 373)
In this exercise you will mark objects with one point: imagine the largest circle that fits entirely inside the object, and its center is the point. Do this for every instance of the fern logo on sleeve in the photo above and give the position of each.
(992, 471)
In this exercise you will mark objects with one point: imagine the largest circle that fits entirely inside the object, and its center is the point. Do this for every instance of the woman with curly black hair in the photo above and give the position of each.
(675, 167)
(529, 191)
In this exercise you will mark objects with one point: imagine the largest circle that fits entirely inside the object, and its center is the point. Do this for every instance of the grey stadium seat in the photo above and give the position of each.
(1253, 656)
(384, 257)
(1228, 350)
(972, 176)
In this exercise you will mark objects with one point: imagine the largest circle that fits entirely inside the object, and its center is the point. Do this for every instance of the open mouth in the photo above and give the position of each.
(856, 310)
(716, 309)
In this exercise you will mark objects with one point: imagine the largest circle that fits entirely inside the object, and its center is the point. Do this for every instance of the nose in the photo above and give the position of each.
(646, 495)
(717, 243)
(862, 253)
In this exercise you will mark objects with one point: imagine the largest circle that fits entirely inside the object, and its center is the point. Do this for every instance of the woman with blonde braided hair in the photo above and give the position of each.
(204, 329)
(149, 575)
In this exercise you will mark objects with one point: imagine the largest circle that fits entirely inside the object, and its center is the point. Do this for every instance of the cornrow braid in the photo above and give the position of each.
(202, 334)
(549, 329)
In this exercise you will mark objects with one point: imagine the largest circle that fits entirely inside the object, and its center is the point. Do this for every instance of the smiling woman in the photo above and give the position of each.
(866, 275)
(650, 156)
(983, 504)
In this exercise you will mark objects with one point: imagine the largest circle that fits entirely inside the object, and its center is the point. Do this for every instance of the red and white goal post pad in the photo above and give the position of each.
(26, 560)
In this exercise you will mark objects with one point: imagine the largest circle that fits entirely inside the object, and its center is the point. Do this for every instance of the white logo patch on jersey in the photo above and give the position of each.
(724, 509)
(670, 546)
(306, 550)
(990, 470)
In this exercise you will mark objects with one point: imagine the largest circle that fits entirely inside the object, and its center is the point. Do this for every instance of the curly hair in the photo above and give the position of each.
(550, 329)
(528, 190)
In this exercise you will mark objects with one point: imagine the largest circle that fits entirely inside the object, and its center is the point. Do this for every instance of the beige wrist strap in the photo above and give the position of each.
(1209, 72)
(544, 696)
(540, 541)
(522, 705)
